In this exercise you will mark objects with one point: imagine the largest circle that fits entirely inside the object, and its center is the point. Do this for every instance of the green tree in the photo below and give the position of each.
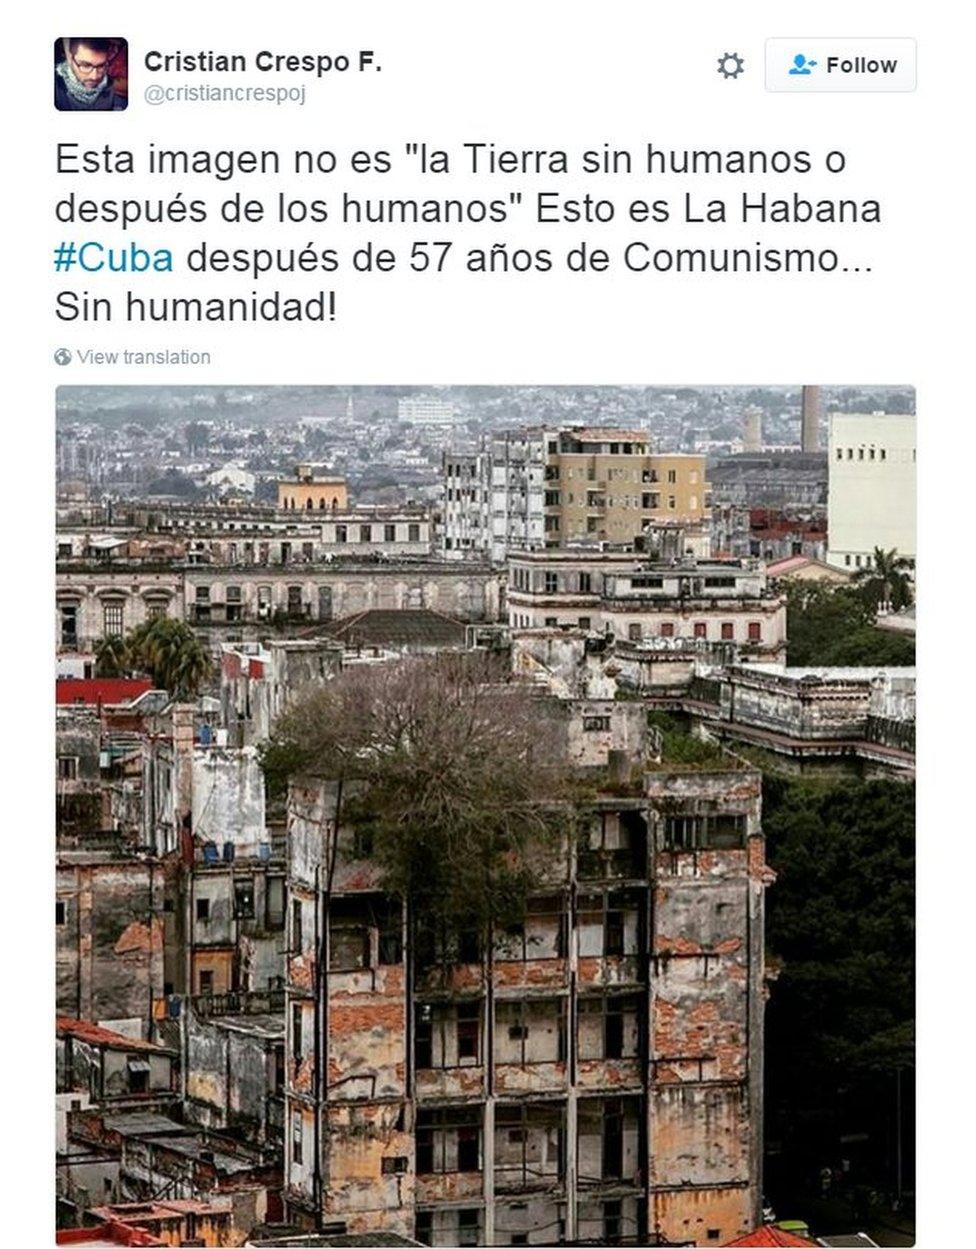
(840, 931)
(830, 626)
(887, 584)
(112, 657)
(171, 653)
(447, 769)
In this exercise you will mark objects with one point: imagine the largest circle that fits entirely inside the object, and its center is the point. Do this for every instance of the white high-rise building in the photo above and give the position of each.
(871, 491)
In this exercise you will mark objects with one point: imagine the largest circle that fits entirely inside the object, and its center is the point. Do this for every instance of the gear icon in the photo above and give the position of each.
(730, 65)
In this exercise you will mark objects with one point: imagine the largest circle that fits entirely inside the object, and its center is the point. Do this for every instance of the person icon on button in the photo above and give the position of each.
(801, 65)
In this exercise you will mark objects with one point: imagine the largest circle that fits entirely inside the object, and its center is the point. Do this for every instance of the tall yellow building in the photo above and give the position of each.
(606, 485)
(309, 493)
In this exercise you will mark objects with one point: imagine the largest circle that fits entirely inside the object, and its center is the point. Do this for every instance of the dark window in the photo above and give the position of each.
(423, 1037)
(389, 533)
(391, 940)
(467, 1149)
(397, 1165)
(296, 1137)
(59, 912)
(613, 1140)
(244, 899)
(596, 724)
(67, 767)
(467, 1031)
(613, 1031)
(138, 1071)
(413, 533)
(69, 624)
(424, 1227)
(755, 631)
(206, 983)
(613, 933)
(469, 947)
(727, 631)
(341, 533)
(469, 1226)
(425, 1151)
(611, 1222)
(349, 949)
(296, 925)
(296, 1032)
(585, 582)
(701, 629)
(203, 908)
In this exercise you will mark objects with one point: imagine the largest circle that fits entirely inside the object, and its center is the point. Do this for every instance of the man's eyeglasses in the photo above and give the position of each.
(86, 67)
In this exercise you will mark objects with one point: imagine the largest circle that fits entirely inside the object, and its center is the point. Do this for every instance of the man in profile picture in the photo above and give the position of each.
(83, 75)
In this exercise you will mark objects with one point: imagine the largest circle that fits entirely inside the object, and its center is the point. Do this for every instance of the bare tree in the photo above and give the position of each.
(453, 771)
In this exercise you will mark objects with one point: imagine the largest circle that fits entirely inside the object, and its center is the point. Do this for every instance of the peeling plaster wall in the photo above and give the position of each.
(110, 946)
(675, 936)
(228, 798)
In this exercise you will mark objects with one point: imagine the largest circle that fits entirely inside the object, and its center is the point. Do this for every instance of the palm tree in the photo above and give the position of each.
(112, 656)
(172, 653)
(887, 585)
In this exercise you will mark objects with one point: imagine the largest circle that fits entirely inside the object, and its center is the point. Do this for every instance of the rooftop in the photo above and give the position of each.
(83, 1030)
(408, 626)
(770, 1234)
(94, 691)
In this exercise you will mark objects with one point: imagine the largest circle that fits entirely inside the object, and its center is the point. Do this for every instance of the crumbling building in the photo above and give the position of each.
(594, 1074)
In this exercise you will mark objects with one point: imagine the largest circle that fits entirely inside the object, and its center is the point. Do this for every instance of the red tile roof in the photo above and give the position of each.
(94, 1035)
(111, 1233)
(770, 1235)
(91, 692)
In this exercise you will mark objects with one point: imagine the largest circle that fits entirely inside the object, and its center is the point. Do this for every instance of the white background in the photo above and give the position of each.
(525, 75)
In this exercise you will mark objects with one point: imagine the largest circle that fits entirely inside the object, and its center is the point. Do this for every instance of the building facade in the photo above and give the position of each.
(871, 498)
(594, 1075)
(635, 599)
(548, 487)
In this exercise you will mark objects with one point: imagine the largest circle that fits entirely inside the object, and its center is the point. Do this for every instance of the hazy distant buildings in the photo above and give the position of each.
(871, 501)
(422, 410)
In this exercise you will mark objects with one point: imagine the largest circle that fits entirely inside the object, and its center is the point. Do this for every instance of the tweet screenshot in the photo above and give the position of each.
(478, 456)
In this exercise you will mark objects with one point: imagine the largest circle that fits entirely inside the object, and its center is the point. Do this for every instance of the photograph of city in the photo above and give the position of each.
(485, 815)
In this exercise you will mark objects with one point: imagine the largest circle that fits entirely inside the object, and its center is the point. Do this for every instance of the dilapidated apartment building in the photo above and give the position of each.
(639, 597)
(591, 1076)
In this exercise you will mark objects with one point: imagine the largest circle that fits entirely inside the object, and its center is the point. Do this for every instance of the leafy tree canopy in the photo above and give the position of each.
(448, 768)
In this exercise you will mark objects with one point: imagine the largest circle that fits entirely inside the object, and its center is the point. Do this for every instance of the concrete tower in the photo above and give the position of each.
(810, 424)
(752, 430)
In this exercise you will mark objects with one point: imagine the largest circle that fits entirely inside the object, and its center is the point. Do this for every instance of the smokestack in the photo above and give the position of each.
(752, 430)
(810, 420)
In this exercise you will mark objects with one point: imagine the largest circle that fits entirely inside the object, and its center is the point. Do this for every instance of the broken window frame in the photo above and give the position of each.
(613, 907)
(686, 832)
(624, 1010)
(434, 1023)
(526, 1012)
(433, 1131)
(524, 1118)
(244, 899)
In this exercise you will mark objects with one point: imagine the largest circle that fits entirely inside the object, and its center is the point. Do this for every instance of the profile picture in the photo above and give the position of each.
(91, 74)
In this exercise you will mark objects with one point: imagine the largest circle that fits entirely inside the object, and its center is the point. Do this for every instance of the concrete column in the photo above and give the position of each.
(488, 1176)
